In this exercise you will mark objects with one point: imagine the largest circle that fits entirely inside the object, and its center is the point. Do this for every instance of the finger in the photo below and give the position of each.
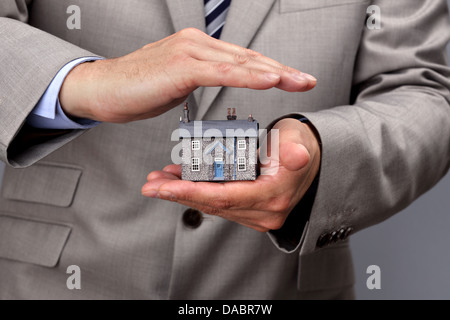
(285, 145)
(224, 74)
(291, 80)
(161, 175)
(200, 40)
(243, 52)
(173, 169)
(214, 74)
(269, 212)
(235, 195)
(261, 221)
(203, 40)
(214, 204)
(248, 218)
(293, 156)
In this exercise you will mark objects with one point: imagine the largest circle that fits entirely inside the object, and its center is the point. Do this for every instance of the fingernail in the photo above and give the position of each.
(273, 76)
(151, 194)
(299, 77)
(303, 77)
(304, 149)
(166, 195)
(310, 77)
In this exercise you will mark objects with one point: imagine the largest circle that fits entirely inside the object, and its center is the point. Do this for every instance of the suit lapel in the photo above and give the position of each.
(243, 21)
(188, 14)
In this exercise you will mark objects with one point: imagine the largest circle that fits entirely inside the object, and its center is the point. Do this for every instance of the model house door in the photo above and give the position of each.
(218, 168)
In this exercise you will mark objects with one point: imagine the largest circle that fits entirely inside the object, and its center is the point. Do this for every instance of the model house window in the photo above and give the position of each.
(196, 164)
(195, 145)
(242, 166)
(242, 144)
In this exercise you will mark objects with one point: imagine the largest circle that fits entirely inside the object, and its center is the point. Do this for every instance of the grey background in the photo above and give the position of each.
(412, 249)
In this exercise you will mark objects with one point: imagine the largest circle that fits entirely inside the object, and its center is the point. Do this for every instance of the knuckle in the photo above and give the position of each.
(280, 204)
(274, 223)
(178, 58)
(241, 59)
(286, 68)
(277, 224)
(253, 54)
(214, 211)
(189, 32)
(261, 229)
(222, 204)
(224, 68)
(152, 175)
(182, 43)
(148, 46)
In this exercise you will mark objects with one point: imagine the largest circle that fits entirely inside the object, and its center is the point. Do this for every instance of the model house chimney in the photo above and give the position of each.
(229, 116)
(234, 117)
(186, 113)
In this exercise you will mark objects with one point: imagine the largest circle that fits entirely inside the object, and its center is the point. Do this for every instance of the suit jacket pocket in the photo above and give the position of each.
(326, 269)
(45, 183)
(287, 6)
(32, 242)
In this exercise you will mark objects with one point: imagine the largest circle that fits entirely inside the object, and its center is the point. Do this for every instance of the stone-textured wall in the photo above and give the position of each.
(250, 154)
(207, 171)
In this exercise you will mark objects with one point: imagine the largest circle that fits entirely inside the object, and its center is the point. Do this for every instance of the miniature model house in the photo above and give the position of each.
(219, 150)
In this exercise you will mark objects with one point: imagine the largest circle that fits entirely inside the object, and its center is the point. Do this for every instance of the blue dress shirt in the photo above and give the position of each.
(48, 113)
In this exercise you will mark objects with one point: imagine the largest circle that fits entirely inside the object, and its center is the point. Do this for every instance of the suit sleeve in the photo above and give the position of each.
(393, 143)
(30, 59)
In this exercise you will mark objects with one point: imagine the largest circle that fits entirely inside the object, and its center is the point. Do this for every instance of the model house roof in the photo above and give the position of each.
(219, 128)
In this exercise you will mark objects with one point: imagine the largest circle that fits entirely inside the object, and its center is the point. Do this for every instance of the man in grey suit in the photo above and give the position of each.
(377, 136)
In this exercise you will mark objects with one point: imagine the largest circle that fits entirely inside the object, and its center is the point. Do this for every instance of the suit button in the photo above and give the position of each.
(192, 218)
(347, 233)
(341, 234)
(323, 240)
(334, 237)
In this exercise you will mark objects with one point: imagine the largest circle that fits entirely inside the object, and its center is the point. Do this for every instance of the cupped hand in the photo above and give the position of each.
(263, 204)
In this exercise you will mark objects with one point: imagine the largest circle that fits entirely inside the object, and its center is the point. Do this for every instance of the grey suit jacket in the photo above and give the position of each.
(382, 108)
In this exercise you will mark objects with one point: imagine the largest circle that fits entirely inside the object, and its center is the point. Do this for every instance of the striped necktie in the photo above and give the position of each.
(216, 14)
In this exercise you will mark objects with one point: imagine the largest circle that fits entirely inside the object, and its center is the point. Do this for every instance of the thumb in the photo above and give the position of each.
(293, 156)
